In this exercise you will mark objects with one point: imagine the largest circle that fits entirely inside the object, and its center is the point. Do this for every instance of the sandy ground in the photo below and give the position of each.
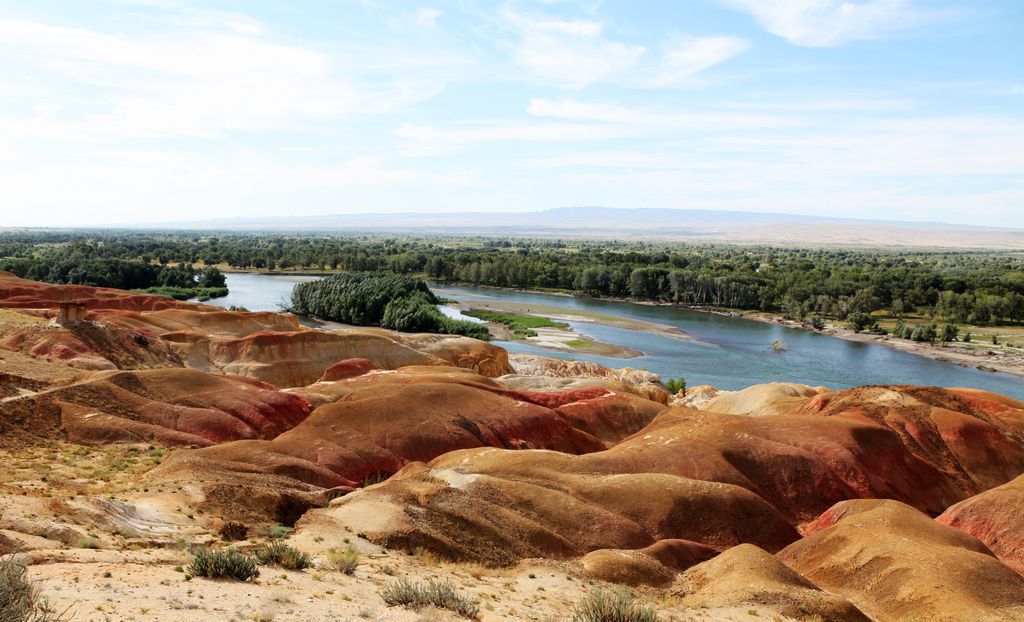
(144, 585)
(103, 546)
(567, 339)
(564, 340)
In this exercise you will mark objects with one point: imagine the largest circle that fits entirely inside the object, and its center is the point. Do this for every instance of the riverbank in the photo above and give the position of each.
(564, 339)
(561, 315)
(991, 358)
(977, 355)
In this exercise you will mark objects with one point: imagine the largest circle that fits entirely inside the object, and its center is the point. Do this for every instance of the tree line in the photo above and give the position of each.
(976, 287)
(181, 281)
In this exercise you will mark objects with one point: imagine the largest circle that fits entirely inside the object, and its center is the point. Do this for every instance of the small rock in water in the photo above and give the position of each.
(779, 346)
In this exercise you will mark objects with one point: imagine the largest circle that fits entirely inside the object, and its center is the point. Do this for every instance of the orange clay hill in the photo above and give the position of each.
(146, 444)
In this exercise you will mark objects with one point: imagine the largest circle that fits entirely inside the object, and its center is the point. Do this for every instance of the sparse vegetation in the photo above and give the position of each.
(522, 326)
(603, 605)
(222, 564)
(439, 594)
(19, 598)
(280, 554)
(345, 560)
(279, 531)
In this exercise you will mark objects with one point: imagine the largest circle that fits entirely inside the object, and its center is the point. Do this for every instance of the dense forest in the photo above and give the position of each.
(808, 284)
(398, 302)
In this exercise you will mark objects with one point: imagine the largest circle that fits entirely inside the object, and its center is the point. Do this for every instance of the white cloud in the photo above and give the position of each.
(569, 53)
(186, 82)
(824, 23)
(827, 105)
(655, 118)
(692, 55)
(425, 140)
(426, 18)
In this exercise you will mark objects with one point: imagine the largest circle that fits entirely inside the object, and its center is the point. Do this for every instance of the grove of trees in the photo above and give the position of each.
(958, 287)
(395, 301)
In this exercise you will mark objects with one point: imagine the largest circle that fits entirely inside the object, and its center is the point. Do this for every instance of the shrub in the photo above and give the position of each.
(19, 598)
(222, 564)
(675, 385)
(280, 554)
(279, 531)
(439, 594)
(345, 561)
(612, 606)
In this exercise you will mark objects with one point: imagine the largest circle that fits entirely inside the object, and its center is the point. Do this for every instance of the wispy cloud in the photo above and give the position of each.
(568, 53)
(427, 140)
(824, 23)
(657, 118)
(691, 55)
(426, 18)
(187, 81)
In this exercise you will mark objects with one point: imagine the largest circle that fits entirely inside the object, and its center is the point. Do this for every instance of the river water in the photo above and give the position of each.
(729, 353)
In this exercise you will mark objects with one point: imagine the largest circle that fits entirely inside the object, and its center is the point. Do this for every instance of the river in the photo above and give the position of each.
(726, 352)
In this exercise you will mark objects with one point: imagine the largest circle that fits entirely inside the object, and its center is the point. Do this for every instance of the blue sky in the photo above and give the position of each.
(138, 111)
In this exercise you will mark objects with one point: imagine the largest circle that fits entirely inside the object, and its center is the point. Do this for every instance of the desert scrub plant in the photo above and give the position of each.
(222, 564)
(440, 594)
(19, 598)
(346, 560)
(280, 554)
(603, 605)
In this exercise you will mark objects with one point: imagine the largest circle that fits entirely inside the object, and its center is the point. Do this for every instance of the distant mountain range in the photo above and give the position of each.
(641, 223)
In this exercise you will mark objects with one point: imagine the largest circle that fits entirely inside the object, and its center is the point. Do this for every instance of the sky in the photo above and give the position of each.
(135, 111)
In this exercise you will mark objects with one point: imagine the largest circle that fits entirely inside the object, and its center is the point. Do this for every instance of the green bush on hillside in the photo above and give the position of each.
(222, 564)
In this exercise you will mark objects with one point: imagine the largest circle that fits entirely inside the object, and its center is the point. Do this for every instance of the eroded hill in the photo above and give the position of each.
(143, 429)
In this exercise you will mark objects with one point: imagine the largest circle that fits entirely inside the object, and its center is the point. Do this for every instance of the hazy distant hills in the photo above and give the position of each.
(643, 223)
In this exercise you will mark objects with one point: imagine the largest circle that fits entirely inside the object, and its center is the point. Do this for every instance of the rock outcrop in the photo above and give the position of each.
(17, 293)
(167, 406)
(892, 561)
(498, 506)
(746, 575)
(371, 426)
(638, 381)
(996, 517)
(760, 400)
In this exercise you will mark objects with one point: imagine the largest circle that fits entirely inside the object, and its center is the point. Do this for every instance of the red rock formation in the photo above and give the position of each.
(801, 465)
(24, 294)
(348, 368)
(299, 358)
(996, 517)
(746, 575)
(976, 439)
(893, 562)
(166, 406)
(499, 506)
(390, 420)
(655, 565)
